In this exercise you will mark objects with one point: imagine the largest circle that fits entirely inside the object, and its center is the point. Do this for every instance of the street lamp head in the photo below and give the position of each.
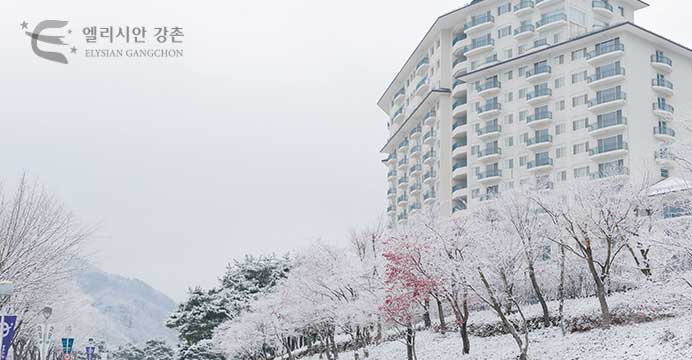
(6, 288)
(47, 312)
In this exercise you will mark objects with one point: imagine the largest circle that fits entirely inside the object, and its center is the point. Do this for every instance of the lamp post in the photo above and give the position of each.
(45, 333)
(7, 322)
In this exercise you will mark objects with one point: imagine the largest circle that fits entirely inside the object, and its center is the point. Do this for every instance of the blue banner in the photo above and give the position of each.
(7, 326)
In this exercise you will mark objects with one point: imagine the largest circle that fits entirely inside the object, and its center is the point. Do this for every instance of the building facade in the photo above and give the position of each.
(502, 94)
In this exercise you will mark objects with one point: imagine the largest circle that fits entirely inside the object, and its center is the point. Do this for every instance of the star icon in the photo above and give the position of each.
(24, 25)
(73, 50)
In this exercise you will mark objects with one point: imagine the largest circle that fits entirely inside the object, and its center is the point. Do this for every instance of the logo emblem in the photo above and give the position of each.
(37, 36)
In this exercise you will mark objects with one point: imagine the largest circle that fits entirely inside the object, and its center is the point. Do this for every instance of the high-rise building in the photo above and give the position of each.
(500, 93)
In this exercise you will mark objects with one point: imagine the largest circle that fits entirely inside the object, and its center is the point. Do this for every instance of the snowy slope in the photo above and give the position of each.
(115, 309)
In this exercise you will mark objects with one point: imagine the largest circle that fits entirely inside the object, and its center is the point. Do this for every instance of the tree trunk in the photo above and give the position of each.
(410, 343)
(427, 322)
(600, 290)
(461, 314)
(539, 294)
(561, 291)
(335, 349)
(441, 315)
(508, 292)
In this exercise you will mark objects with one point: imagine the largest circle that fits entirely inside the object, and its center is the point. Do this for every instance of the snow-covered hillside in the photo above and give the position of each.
(114, 309)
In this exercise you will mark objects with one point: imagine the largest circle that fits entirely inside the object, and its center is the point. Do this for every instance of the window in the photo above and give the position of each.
(503, 9)
(561, 176)
(524, 138)
(522, 93)
(509, 164)
(504, 32)
(521, 49)
(509, 97)
(560, 152)
(560, 60)
(578, 54)
(509, 118)
(509, 75)
(560, 129)
(579, 100)
(580, 148)
(560, 105)
(522, 160)
(507, 53)
(509, 141)
(475, 193)
(522, 71)
(556, 38)
(665, 173)
(508, 185)
(475, 149)
(559, 82)
(581, 172)
(579, 76)
(522, 115)
(580, 124)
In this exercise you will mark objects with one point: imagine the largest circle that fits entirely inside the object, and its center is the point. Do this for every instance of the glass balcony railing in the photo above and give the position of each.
(425, 61)
(549, 19)
(415, 130)
(489, 174)
(538, 116)
(605, 49)
(458, 102)
(414, 206)
(459, 60)
(606, 73)
(456, 83)
(428, 195)
(614, 171)
(415, 187)
(489, 129)
(403, 162)
(601, 4)
(479, 44)
(524, 4)
(460, 165)
(539, 163)
(391, 191)
(607, 121)
(403, 144)
(538, 70)
(524, 28)
(606, 148)
(488, 107)
(422, 83)
(401, 92)
(403, 181)
(461, 186)
(402, 217)
(459, 207)
(488, 196)
(458, 37)
(663, 107)
(416, 149)
(607, 97)
(428, 175)
(398, 112)
(489, 152)
(427, 135)
(661, 59)
(391, 173)
(459, 144)
(539, 93)
(429, 115)
(427, 156)
(402, 198)
(662, 83)
(478, 20)
(415, 168)
(659, 130)
(540, 139)
(491, 84)
(460, 122)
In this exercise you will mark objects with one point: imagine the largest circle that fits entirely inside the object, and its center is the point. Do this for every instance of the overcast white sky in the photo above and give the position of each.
(262, 139)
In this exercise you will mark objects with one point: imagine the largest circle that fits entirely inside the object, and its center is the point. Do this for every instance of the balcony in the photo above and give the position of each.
(541, 4)
(415, 189)
(539, 73)
(428, 177)
(391, 160)
(402, 217)
(403, 165)
(428, 157)
(458, 44)
(539, 142)
(524, 31)
(609, 151)
(416, 170)
(398, 98)
(540, 44)
(551, 22)
(422, 87)
(489, 132)
(459, 191)
(608, 125)
(663, 87)
(391, 175)
(479, 23)
(459, 169)
(489, 155)
(428, 197)
(459, 107)
(663, 110)
(403, 182)
(602, 8)
(391, 193)
(458, 88)
(489, 61)
(391, 210)
(605, 53)
(607, 101)
(540, 165)
(490, 176)
(415, 132)
(428, 138)
(416, 151)
(429, 118)
(423, 66)
(489, 110)
(402, 200)
(398, 116)
(459, 207)
(489, 88)
(459, 148)
(524, 7)
(664, 157)
(664, 134)
(459, 66)
(662, 63)
(616, 171)
(606, 77)
(459, 128)
(538, 96)
(490, 196)
(479, 47)
(539, 119)
(403, 147)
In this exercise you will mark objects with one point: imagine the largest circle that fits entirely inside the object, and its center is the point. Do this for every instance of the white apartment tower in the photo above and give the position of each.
(501, 93)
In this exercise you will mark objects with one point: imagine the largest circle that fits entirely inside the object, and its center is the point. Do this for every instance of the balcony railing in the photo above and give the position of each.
(414, 206)
(459, 102)
(415, 187)
(545, 20)
(428, 175)
(661, 59)
(609, 148)
(489, 152)
(524, 4)
(427, 135)
(429, 195)
(391, 173)
(459, 144)
(659, 130)
(493, 128)
(600, 4)
(391, 208)
(490, 84)
(605, 49)
(538, 116)
(663, 107)
(615, 171)
(607, 97)
(458, 37)
(539, 93)
(460, 165)
(425, 61)
(391, 191)
(427, 156)
(458, 187)
(401, 92)
(540, 139)
(541, 42)
(460, 122)
(538, 70)
(488, 107)
(459, 60)
(415, 149)
(403, 144)
(398, 112)
(422, 83)
(403, 162)
(456, 83)
(415, 130)
(415, 168)
(489, 174)
(662, 83)
(402, 217)
(604, 74)
(607, 121)
(479, 44)
(524, 28)
(459, 207)
(478, 20)
(539, 163)
(403, 181)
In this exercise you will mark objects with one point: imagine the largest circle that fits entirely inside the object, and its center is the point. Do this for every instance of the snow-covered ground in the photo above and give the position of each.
(660, 340)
